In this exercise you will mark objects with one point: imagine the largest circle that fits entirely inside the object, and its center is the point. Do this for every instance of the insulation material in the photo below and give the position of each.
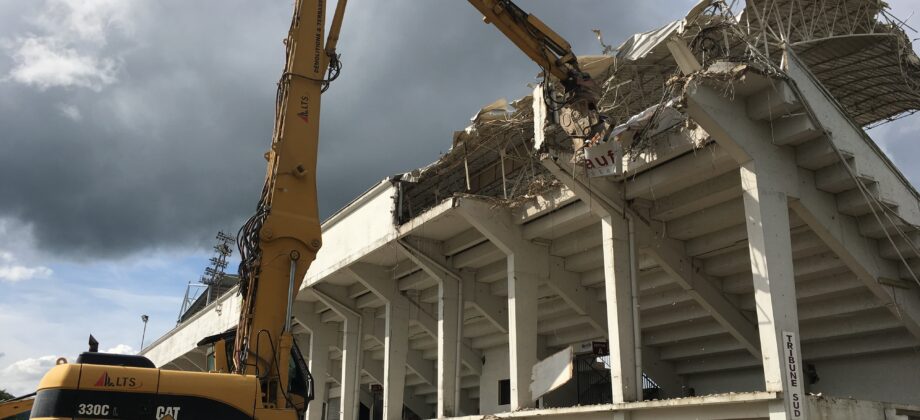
(497, 110)
(654, 120)
(539, 118)
(640, 45)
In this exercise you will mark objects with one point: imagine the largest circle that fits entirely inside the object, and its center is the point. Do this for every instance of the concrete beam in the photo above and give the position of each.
(387, 289)
(463, 241)
(476, 294)
(415, 361)
(816, 207)
(606, 200)
(492, 307)
(375, 370)
(680, 173)
(572, 215)
(198, 367)
(498, 226)
(471, 358)
(182, 363)
(418, 405)
(858, 253)
(378, 279)
(698, 197)
(582, 299)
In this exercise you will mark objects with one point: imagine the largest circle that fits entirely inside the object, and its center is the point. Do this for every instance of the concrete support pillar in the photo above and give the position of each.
(523, 285)
(770, 244)
(351, 367)
(322, 337)
(395, 336)
(320, 341)
(452, 351)
(625, 362)
(529, 265)
(449, 319)
(396, 347)
(351, 355)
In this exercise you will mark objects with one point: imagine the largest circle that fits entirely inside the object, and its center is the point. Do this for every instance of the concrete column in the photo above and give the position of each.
(394, 362)
(625, 365)
(523, 285)
(770, 244)
(449, 319)
(528, 266)
(318, 355)
(351, 368)
(395, 337)
(351, 352)
(322, 338)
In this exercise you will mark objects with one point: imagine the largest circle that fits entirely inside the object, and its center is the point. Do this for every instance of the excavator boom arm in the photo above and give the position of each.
(280, 241)
(533, 37)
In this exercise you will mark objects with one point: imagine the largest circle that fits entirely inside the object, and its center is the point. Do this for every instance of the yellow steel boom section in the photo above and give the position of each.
(280, 241)
(544, 46)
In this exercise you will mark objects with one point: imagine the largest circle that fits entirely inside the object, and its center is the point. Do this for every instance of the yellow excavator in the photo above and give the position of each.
(258, 372)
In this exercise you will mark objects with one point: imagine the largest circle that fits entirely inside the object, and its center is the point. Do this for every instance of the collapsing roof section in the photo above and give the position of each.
(855, 48)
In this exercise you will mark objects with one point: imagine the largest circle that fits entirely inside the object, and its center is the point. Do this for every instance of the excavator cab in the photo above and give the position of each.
(300, 382)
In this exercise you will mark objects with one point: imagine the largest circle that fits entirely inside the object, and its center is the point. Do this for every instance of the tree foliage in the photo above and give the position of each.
(5, 395)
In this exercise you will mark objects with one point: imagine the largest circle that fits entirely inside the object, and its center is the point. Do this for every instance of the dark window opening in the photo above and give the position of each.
(504, 392)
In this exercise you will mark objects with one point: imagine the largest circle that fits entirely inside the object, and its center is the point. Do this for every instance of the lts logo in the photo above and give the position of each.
(119, 382)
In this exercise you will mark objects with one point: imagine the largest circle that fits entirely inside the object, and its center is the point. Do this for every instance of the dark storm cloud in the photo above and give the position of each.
(170, 151)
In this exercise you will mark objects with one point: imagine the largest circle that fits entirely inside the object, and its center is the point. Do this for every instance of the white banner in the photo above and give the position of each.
(604, 159)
